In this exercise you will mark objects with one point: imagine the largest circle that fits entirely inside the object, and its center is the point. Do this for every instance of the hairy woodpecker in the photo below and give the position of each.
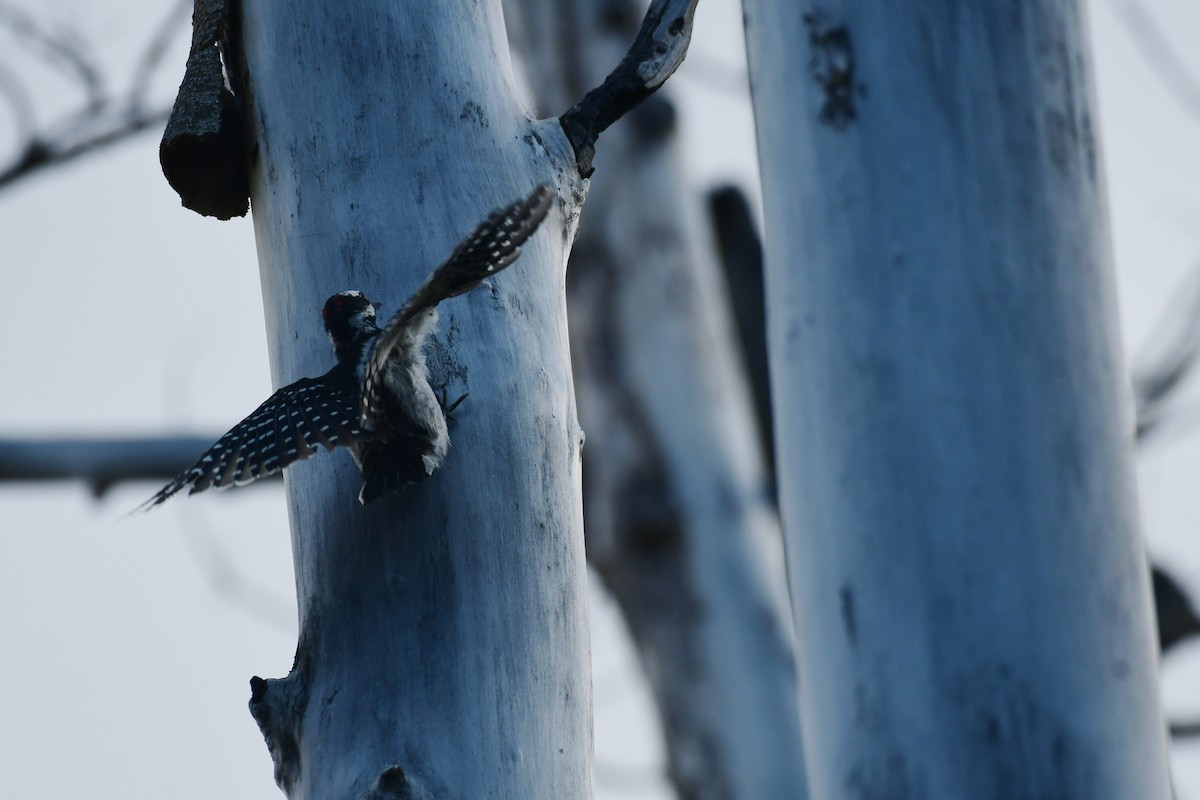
(376, 400)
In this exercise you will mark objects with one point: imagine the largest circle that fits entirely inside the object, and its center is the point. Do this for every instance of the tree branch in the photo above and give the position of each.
(1185, 730)
(101, 463)
(65, 50)
(656, 52)
(102, 120)
(112, 129)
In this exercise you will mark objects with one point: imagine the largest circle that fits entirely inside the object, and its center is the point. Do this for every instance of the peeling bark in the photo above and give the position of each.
(203, 152)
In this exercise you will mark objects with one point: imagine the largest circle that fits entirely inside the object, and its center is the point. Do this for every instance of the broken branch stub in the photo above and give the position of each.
(656, 52)
(202, 152)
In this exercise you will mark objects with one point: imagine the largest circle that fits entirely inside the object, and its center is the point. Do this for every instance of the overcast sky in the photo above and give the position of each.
(126, 646)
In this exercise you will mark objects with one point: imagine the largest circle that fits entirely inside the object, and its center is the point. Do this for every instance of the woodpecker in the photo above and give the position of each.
(376, 400)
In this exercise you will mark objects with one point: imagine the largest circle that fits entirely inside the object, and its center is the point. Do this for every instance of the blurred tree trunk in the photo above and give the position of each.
(953, 425)
(443, 631)
(680, 524)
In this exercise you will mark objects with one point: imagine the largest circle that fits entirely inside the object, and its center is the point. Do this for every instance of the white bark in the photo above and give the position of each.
(444, 639)
(953, 425)
(679, 521)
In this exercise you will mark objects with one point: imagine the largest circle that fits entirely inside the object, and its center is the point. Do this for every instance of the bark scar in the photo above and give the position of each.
(395, 784)
(832, 66)
(849, 617)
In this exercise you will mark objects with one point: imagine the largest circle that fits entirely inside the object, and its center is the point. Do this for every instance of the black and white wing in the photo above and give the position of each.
(494, 244)
(286, 428)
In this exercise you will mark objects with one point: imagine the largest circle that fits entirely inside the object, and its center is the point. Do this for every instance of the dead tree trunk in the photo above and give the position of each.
(444, 636)
(680, 525)
(443, 632)
(953, 426)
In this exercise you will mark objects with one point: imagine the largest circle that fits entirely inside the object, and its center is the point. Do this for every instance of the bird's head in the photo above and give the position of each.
(346, 315)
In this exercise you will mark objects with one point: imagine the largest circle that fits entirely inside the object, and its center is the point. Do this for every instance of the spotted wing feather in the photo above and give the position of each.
(493, 245)
(288, 427)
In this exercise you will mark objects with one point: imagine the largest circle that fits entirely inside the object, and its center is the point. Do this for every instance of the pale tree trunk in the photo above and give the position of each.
(953, 425)
(680, 525)
(444, 631)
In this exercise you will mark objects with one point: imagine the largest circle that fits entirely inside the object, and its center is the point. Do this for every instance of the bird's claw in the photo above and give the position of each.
(448, 408)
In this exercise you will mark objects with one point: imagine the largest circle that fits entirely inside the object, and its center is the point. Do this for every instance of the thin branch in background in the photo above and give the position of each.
(1158, 377)
(103, 463)
(19, 101)
(1185, 730)
(103, 119)
(99, 462)
(227, 582)
(65, 50)
(41, 154)
(1171, 68)
(156, 49)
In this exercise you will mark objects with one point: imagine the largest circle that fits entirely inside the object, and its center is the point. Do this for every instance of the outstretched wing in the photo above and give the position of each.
(490, 247)
(283, 430)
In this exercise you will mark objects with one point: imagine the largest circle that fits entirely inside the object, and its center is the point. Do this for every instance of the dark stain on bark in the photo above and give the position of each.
(473, 112)
(832, 66)
(849, 618)
(394, 783)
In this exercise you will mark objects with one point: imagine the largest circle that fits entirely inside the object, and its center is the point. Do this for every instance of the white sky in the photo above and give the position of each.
(124, 668)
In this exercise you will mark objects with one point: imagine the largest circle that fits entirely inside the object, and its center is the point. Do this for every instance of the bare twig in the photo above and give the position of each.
(152, 56)
(101, 121)
(103, 463)
(65, 50)
(229, 583)
(110, 129)
(655, 54)
(20, 102)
